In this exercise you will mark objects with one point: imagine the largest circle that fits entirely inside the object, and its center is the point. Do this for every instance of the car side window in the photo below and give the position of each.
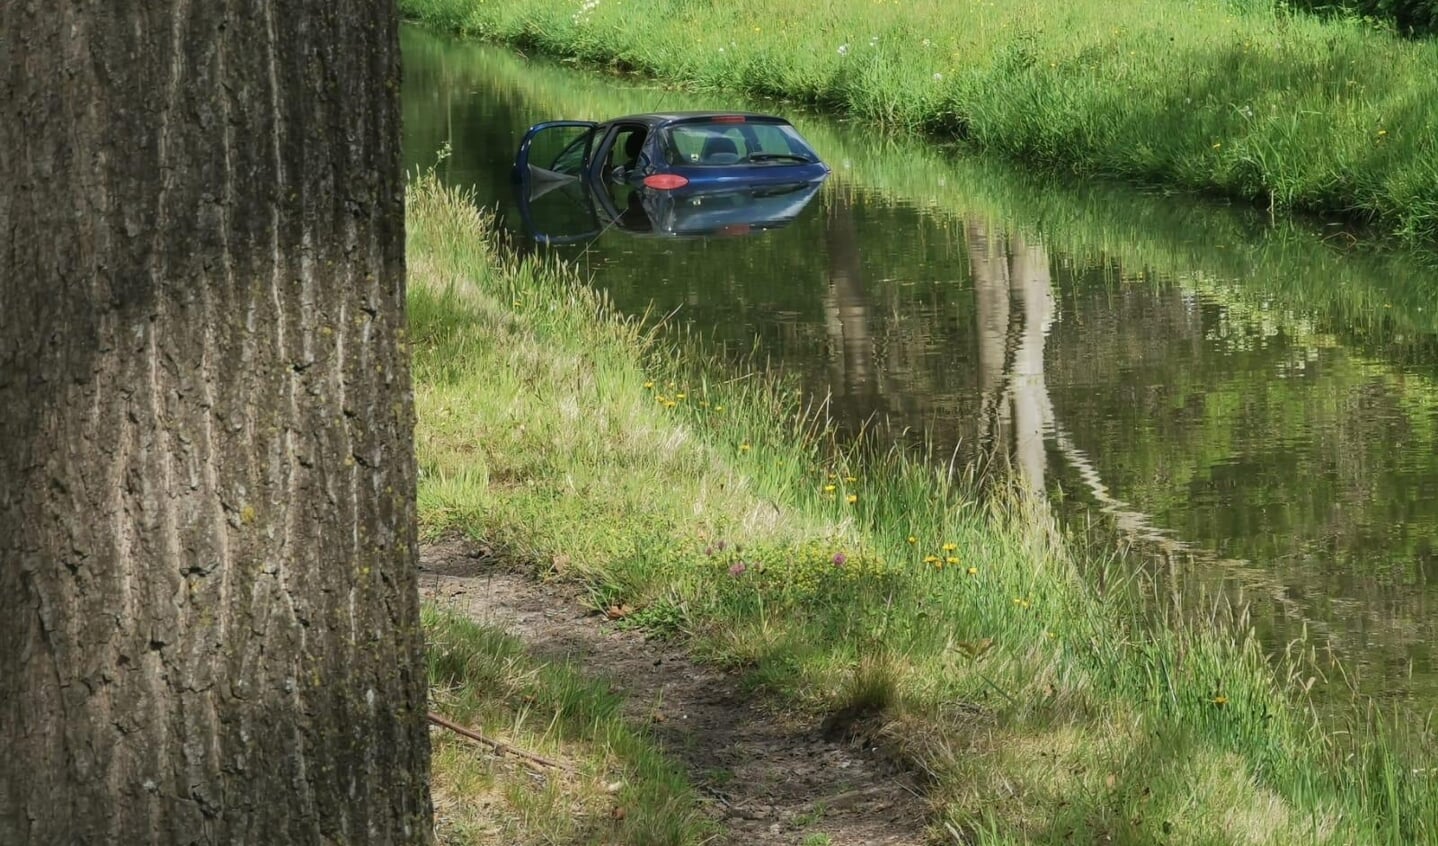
(570, 160)
(625, 148)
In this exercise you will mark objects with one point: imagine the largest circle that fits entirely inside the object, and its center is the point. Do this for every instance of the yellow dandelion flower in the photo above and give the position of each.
(931, 559)
(718, 408)
(853, 498)
(973, 571)
(1021, 602)
(828, 489)
(681, 395)
(1382, 132)
(1217, 144)
(670, 404)
(951, 560)
(745, 447)
(950, 547)
(912, 539)
(649, 385)
(851, 479)
(1220, 700)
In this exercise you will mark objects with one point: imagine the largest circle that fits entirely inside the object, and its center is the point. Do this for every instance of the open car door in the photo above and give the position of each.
(554, 204)
(555, 151)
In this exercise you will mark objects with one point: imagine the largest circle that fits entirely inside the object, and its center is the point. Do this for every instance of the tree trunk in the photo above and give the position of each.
(209, 627)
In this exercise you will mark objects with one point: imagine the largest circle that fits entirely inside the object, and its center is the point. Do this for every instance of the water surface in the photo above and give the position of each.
(1251, 409)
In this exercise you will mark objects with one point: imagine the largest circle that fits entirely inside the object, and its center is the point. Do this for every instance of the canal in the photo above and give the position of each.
(1248, 410)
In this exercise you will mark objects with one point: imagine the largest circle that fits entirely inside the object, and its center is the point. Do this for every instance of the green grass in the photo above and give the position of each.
(872, 590)
(1239, 100)
(615, 785)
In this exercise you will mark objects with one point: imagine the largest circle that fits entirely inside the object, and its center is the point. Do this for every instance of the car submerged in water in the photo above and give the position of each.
(668, 174)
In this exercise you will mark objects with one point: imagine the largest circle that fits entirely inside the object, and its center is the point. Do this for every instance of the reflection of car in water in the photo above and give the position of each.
(679, 174)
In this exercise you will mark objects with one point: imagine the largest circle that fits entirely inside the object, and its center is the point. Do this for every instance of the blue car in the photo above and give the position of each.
(680, 173)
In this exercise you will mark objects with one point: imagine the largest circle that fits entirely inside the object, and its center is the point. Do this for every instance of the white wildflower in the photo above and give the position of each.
(843, 49)
(585, 10)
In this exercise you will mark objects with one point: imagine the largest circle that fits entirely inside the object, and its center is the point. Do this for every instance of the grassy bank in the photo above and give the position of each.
(605, 782)
(872, 592)
(1284, 111)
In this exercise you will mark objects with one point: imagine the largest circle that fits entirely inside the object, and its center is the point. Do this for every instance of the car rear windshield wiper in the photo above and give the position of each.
(775, 157)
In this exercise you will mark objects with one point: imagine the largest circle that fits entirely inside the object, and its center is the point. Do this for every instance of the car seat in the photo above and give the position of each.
(632, 148)
(719, 149)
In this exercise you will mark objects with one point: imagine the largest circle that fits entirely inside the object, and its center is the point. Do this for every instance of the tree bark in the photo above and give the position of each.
(209, 626)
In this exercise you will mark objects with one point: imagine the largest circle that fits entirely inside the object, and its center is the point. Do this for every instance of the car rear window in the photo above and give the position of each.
(721, 143)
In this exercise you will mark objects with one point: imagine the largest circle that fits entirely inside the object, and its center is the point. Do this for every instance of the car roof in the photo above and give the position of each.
(658, 118)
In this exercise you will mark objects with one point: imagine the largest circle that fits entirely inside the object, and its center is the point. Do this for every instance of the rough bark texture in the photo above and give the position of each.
(209, 628)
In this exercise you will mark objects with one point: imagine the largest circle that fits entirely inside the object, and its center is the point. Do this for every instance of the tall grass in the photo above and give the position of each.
(869, 589)
(1280, 110)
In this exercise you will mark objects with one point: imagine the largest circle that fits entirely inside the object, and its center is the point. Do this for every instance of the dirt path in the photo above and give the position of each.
(767, 779)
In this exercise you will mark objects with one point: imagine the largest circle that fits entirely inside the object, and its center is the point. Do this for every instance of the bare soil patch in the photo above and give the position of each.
(766, 777)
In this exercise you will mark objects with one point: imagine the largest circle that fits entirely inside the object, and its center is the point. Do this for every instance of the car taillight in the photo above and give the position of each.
(665, 181)
(729, 119)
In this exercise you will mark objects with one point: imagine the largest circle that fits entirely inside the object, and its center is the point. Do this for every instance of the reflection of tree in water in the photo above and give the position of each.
(853, 388)
(1014, 310)
(1257, 491)
(1016, 411)
(1014, 307)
